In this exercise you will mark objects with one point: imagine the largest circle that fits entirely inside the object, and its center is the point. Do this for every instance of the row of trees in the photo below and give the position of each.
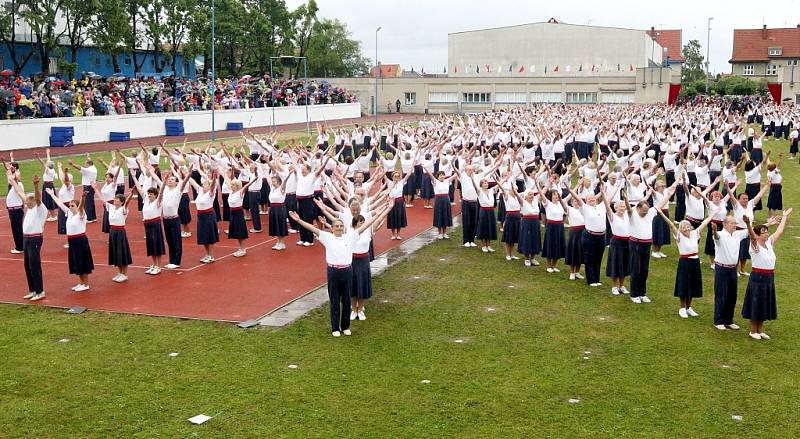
(248, 33)
(693, 77)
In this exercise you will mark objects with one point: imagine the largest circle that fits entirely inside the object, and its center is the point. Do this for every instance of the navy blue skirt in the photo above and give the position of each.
(207, 232)
(154, 238)
(554, 246)
(661, 232)
(62, 222)
(277, 220)
(501, 210)
(237, 228)
(709, 249)
(79, 256)
(362, 280)
(530, 237)
(105, 227)
(119, 251)
(752, 189)
(618, 263)
(265, 191)
(47, 200)
(442, 213)
(226, 208)
(426, 192)
(511, 228)
(757, 155)
(574, 254)
(487, 225)
(184, 213)
(744, 249)
(409, 188)
(775, 200)
(760, 302)
(397, 216)
(688, 279)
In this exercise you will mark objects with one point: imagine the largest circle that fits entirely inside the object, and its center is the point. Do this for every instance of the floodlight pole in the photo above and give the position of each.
(708, 46)
(377, 74)
(213, 70)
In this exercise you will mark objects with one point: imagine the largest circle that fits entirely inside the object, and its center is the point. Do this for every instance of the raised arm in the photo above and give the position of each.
(781, 226)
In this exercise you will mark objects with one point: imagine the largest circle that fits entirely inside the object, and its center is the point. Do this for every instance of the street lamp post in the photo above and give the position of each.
(213, 69)
(708, 46)
(377, 73)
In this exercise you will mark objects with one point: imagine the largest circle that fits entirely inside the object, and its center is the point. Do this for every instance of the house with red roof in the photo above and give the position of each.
(386, 71)
(671, 40)
(766, 53)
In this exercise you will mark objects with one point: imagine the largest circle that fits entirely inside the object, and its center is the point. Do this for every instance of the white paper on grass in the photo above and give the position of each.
(573, 401)
(736, 418)
(292, 366)
(425, 381)
(173, 354)
(199, 419)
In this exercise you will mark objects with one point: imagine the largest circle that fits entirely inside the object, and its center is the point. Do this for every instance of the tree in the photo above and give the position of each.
(738, 85)
(331, 51)
(693, 69)
(10, 16)
(154, 30)
(304, 18)
(78, 17)
(41, 15)
(111, 29)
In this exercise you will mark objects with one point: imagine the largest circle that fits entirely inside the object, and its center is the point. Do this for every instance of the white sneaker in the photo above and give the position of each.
(72, 288)
(210, 259)
(491, 250)
(624, 290)
(353, 315)
(15, 251)
(299, 242)
(66, 245)
(682, 313)
(466, 244)
(39, 296)
(615, 291)
(122, 278)
(446, 236)
(361, 315)
(535, 262)
(527, 263)
(733, 326)
(662, 255)
(171, 266)
(556, 270)
(572, 276)
(150, 269)
(721, 327)
(516, 258)
(596, 284)
(336, 334)
(472, 244)
(485, 249)
(116, 278)
(636, 300)
(579, 276)
(764, 336)
(81, 287)
(549, 270)
(239, 253)
(753, 336)
(186, 234)
(31, 294)
(655, 255)
(204, 259)
(508, 258)
(293, 231)
(276, 247)
(645, 299)
(308, 244)
(440, 237)
(691, 312)
(156, 271)
(347, 332)
(256, 231)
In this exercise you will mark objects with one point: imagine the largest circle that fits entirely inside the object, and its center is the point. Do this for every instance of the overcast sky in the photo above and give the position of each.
(415, 31)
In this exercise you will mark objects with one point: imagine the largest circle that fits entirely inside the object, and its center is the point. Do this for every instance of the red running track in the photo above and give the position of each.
(230, 289)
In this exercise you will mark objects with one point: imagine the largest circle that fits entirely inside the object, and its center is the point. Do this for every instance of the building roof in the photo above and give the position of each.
(672, 42)
(754, 44)
(386, 70)
(552, 20)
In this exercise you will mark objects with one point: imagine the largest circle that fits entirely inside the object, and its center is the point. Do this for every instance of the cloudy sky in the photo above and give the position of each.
(415, 31)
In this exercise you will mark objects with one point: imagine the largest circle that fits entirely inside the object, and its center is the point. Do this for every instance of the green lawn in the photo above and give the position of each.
(649, 374)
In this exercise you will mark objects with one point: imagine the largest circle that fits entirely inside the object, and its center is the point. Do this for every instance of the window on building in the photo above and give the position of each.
(775, 51)
(510, 97)
(127, 61)
(617, 97)
(411, 98)
(440, 97)
(52, 65)
(581, 97)
(97, 60)
(791, 62)
(748, 69)
(772, 69)
(477, 98)
(545, 97)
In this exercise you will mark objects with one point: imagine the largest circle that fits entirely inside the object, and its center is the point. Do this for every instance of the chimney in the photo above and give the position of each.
(764, 32)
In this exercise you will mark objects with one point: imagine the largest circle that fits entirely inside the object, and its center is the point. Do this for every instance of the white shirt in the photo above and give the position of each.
(688, 245)
(150, 209)
(235, 199)
(726, 246)
(88, 175)
(204, 201)
(116, 216)
(339, 250)
(66, 193)
(763, 257)
(76, 223)
(13, 200)
(34, 219)
(276, 195)
(594, 217)
(642, 227)
(170, 201)
(620, 226)
(467, 187)
(554, 211)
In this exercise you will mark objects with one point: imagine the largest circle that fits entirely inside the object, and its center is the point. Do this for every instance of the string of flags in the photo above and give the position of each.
(583, 68)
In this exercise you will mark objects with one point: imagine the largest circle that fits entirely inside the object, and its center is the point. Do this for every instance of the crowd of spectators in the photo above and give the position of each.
(91, 95)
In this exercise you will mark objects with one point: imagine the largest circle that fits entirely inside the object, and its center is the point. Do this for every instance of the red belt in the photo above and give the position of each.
(290, 193)
(275, 204)
(530, 216)
(398, 199)
(304, 197)
(596, 233)
(339, 267)
(117, 227)
(487, 208)
(643, 241)
(170, 217)
(739, 228)
(512, 212)
(360, 255)
(554, 222)
(465, 200)
(205, 210)
(724, 265)
(33, 235)
(715, 221)
(152, 220)
(578, 227)
(623, 238)
(442, 195)
(691, 218)
(689, 255)
(775, 185)
(79, 235)
(762, 270)
(236, 208)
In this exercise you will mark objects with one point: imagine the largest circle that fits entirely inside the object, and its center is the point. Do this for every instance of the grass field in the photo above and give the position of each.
(638, 371)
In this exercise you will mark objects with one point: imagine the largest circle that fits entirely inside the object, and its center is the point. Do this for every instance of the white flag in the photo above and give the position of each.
(499, 69)
(568, 68)
(533, 68)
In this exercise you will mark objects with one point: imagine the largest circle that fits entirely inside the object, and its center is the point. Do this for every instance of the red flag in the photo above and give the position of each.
(487, 67)
(555, 69)
(592, 67)
(521, 69)
(455, 69)
(631, 67)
